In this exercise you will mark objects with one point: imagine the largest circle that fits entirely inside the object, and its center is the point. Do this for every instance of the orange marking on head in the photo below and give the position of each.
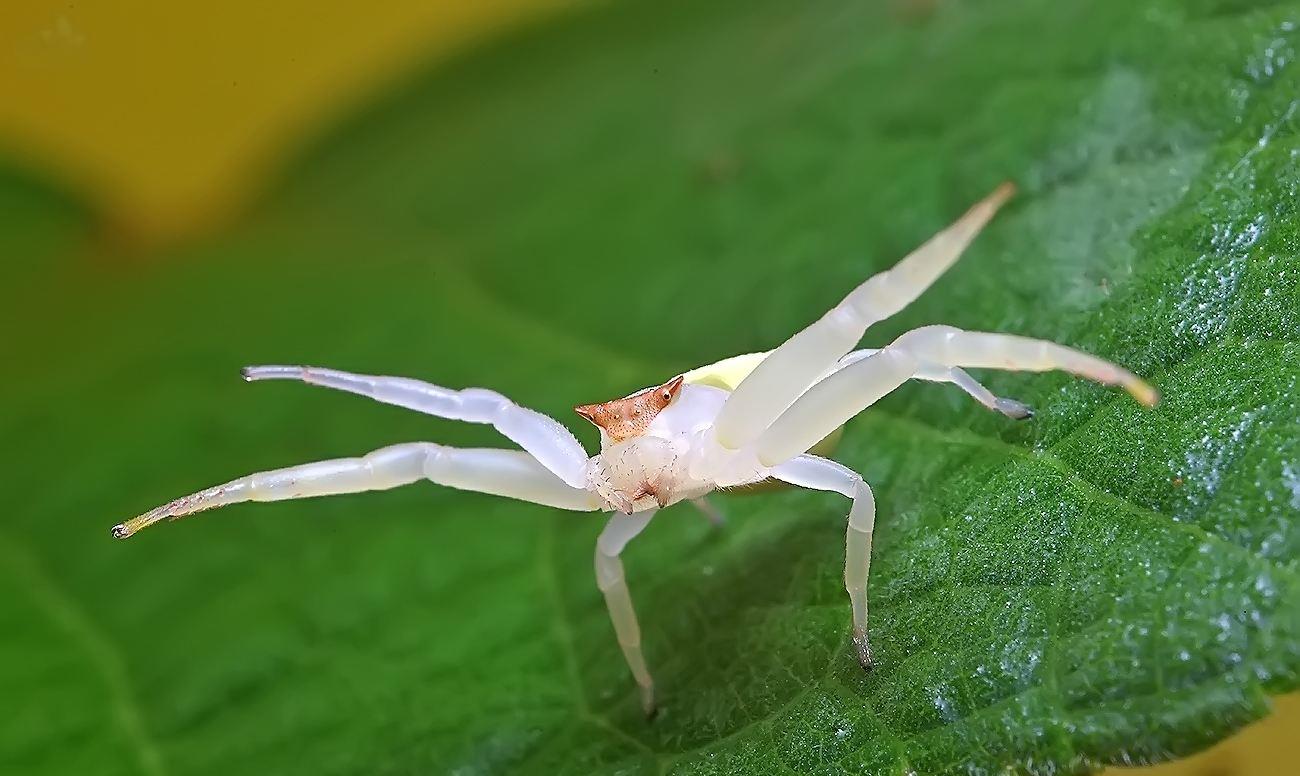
(630, 416)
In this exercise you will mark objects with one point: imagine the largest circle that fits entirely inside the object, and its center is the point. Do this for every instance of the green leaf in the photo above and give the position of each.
(600, 203)
(40, 225)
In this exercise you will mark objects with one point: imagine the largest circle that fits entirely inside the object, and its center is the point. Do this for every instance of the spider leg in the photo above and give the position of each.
(938, 373)
(1010, 407)
(799, 361)
(511, 473)
(710, 511)
(543, 436)
(816, 473)
(831, 402)
(620, 530)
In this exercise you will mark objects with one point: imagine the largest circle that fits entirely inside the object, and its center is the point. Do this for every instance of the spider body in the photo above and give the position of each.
(671, 458)
(741, 421)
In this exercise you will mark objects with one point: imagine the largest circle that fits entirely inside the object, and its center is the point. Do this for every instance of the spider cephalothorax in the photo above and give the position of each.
(740, 421)
(631, 415)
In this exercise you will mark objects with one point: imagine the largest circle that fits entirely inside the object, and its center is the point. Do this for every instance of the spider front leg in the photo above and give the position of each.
(816, 473)
(787, 371)
(1010, 407)
(620, 530)
(831, 402)
(510, 473)
(938, 373)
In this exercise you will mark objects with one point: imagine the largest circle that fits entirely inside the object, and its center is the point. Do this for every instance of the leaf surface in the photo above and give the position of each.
(616, 197)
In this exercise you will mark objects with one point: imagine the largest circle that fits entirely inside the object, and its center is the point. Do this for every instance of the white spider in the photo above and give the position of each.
(741, 421)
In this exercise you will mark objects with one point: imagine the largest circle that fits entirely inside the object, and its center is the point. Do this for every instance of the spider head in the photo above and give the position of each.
(630, 416)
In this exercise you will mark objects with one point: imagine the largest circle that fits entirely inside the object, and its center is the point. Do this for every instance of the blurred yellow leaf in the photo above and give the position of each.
(170, 114)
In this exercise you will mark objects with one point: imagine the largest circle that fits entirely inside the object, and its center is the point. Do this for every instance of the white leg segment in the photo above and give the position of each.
(710, 511)
(542, 436)
(609, 578)
(938, 373)
(952, 347)
(831, 402)
(815, 473)
(511, 473)
(791, 368)
(1009, 407)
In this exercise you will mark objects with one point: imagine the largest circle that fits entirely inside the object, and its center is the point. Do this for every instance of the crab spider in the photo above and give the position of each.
(740, 421)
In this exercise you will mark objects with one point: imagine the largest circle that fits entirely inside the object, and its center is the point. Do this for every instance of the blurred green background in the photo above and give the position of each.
(566, 203)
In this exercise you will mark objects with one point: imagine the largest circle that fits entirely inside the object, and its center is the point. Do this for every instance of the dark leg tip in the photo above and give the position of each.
(864, 658)
(1014, 409)
(863, 647)
(119, 531)
(648, 704)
